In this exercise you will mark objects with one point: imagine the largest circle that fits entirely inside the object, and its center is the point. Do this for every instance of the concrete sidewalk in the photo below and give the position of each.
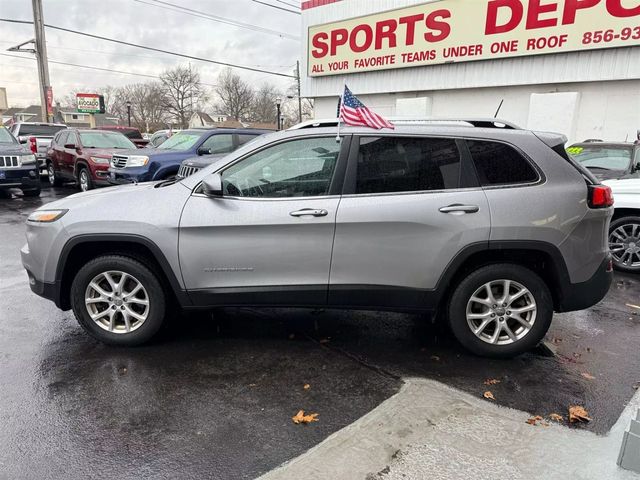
(429, 430)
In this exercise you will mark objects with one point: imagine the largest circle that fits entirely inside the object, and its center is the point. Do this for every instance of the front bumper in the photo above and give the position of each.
(25, 177)
(578, 296)
(128, 175)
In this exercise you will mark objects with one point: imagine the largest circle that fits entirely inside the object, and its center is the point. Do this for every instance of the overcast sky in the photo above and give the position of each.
(135, 22)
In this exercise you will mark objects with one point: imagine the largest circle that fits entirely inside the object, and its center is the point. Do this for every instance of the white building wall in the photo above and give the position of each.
(608, 110)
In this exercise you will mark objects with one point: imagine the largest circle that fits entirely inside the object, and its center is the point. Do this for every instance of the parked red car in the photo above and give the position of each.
(83, 156)
(131, 133)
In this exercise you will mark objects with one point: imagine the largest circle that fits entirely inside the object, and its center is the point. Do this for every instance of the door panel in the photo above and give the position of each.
(389, 249)
(410, 205)
(268, 239)
(230, 247)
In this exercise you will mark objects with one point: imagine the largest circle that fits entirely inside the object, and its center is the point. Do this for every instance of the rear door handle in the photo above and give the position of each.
(459, 209)
(312, 212)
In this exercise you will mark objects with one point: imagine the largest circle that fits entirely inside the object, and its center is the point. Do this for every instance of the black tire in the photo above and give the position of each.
(5, 194)
(52, 175)
(32, 192)
(468, 286)
(83, 171)
(155, 293)
(627, 224)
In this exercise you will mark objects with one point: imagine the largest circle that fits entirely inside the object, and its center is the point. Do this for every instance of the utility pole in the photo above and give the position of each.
(46, 95)
(299, 90)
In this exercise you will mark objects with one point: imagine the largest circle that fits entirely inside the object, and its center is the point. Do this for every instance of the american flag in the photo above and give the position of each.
(353, 112)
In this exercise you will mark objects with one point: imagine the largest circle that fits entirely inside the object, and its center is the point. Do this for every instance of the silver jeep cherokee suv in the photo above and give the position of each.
(493, 229)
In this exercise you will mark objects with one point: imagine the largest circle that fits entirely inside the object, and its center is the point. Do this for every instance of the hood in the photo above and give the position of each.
(149, 152)
(98, 194)
(631, 185)
(203, 161)
(12, 148)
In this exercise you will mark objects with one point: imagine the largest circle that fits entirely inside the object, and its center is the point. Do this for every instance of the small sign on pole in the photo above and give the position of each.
(90, 103)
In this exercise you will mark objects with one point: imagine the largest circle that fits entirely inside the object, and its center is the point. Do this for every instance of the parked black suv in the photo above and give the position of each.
(18, 167)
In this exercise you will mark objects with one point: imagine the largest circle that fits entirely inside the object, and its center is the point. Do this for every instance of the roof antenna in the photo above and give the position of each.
(499, 107)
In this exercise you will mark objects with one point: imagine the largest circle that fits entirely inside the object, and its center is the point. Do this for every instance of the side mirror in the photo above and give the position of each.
(212, 185)
(204, 151)
(23, 138)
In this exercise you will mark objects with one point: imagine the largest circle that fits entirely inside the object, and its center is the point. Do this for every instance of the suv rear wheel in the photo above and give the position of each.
(624, 243)
(52, 176)
(118, 300)
(500, 310)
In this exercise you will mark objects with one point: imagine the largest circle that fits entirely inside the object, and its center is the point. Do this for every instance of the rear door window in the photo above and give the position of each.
(62, 139)
(222, 143)
(500, 164)
(407, 164)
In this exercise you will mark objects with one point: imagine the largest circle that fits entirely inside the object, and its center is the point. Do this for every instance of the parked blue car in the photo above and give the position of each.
(163, 162)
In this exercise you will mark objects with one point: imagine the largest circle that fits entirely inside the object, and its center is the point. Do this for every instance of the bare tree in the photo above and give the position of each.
(182, 93)
(147, 108)
(236, 96)
(263, 108)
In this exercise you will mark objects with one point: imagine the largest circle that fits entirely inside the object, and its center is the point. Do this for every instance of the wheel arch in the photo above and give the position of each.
(542, 258)
(78, 250)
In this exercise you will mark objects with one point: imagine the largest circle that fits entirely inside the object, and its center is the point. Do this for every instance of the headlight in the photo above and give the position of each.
(28, 159)
(46, 216)
(100, 160)
(137, 161)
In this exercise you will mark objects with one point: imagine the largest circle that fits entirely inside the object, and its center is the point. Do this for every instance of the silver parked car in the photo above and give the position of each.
(492, 229)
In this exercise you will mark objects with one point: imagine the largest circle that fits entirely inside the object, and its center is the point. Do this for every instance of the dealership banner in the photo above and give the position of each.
(449, 31)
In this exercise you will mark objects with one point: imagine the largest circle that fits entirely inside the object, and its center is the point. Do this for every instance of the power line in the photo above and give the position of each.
(215, 18)
(288, 4)
(276, 6)
(95, 68)
(153, 49)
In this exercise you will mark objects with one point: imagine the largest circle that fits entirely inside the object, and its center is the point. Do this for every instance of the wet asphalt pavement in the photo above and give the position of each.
(213, 397)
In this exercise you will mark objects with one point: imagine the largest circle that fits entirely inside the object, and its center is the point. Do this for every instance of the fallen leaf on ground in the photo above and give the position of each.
(325, 340)
(577, 355)
(488, 395)
(557, 418)
(300, 417)
(588, 376)
(435, 358)
(589, 349)
(253, 384)
(556, 340)
(306, 386)
(636, 386)
(491, 381)
(535, 420)
(578, 414)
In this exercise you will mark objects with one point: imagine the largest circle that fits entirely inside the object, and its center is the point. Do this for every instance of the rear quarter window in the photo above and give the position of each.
(500, 164)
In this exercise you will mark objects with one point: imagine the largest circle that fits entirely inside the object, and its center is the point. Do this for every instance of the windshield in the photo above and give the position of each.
(5, 136)
(602, 157)
(180, 141)
(40, 130)
(105, 140)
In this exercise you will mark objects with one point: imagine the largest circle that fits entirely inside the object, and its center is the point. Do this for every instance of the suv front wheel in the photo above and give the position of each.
(500, 310)
(118, 300)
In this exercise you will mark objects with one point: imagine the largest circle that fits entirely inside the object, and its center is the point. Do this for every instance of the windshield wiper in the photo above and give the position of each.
(166, 183)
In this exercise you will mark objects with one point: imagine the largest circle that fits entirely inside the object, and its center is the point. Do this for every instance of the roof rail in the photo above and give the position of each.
(462, 122)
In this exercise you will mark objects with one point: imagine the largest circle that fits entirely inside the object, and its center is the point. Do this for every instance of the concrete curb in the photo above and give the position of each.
(429, 430)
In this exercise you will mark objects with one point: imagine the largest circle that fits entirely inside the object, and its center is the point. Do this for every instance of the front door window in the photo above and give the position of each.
(299, 168)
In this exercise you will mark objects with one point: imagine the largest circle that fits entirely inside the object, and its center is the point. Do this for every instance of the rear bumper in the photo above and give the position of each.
(578, 296)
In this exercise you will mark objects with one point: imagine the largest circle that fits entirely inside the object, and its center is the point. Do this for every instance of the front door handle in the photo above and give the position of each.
(313, 212)
(459, 209)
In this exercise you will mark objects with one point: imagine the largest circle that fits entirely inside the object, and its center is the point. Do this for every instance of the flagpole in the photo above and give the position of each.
(344, 87)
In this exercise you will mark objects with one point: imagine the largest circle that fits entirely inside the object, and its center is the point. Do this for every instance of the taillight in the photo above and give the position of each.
(600, 196)
(33, 146)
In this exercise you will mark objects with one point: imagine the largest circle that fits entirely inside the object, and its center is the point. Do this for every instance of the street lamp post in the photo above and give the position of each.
(129, 113)
(278, 103)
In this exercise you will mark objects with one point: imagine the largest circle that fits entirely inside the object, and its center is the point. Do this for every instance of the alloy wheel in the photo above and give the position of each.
(501, 312)
(117, 302)
(624, 243)
(84, 180)
(51, 174)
